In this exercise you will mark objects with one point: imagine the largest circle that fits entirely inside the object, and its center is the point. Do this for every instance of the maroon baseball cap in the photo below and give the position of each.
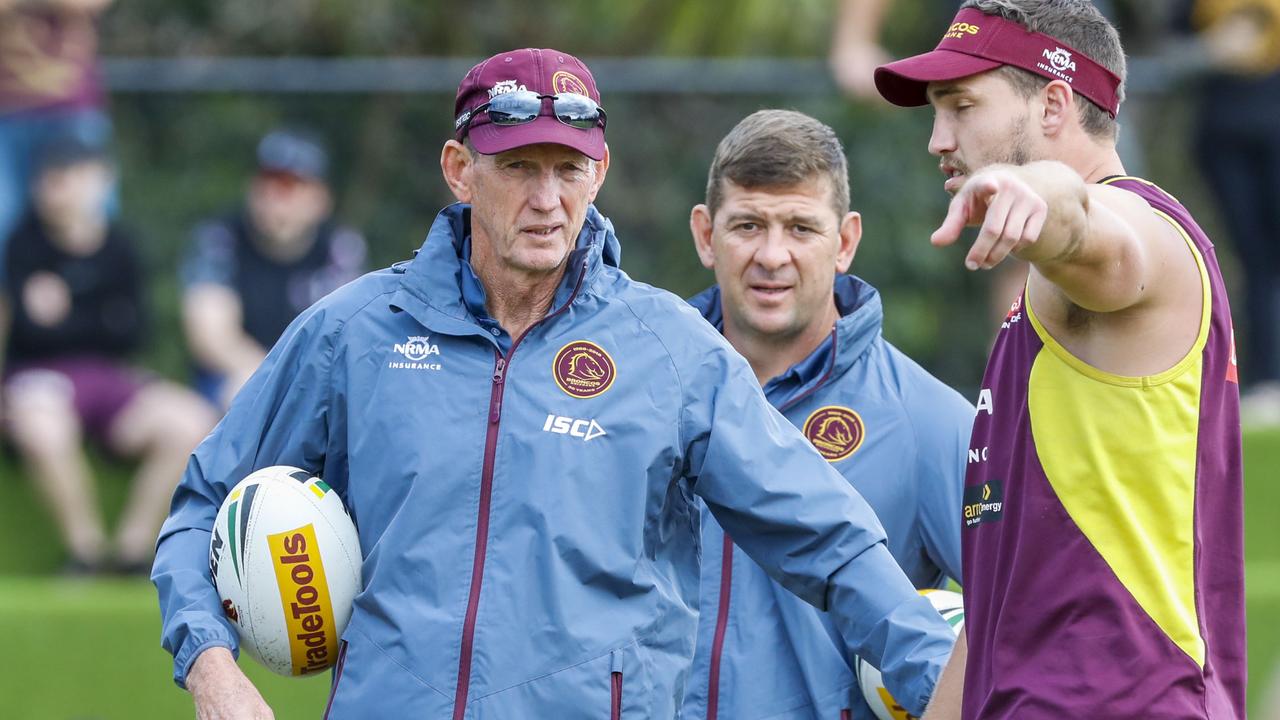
(543, 71)
(977, 42)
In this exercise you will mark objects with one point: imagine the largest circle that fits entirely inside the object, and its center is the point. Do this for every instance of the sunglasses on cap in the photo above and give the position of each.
(523, 106)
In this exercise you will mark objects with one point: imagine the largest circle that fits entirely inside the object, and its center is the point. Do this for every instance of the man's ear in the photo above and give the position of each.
(701, 225)
(602, 169)
(456, 164)
(1059, 107)
(850, 236)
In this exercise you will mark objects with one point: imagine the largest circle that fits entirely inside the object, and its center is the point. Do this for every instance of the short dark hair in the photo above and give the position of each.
(64, 152)
(1078, 24)
(776, 149)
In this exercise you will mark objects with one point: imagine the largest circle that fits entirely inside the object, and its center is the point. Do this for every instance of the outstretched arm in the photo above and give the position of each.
(1101, 246)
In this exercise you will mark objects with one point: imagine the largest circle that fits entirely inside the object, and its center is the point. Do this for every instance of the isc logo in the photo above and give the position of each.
(573, 427)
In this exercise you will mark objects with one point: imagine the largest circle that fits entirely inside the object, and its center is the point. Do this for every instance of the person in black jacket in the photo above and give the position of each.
(249, 273)
(71, 313)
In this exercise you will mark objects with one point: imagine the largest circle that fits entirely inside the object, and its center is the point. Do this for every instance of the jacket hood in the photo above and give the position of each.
(860, 322)
(431, 280)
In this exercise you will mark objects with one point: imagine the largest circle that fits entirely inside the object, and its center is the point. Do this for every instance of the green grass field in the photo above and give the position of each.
(82, 650)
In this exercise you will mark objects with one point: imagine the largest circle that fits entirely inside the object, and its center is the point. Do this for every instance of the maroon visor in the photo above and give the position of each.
(977, 42)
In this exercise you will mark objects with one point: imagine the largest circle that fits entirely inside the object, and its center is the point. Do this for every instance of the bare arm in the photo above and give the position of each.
(947, 696)
(1101, 246)
(212, 316)
(221, 691)
(855, 46)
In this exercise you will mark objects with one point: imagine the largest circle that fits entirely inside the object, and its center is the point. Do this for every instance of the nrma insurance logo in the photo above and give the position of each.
(1059, 64)
(416, 352)
(983, 503)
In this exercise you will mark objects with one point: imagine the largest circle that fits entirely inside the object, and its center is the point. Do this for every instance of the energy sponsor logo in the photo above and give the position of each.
(417, 352)
(588, 430)
(566, 82)
(304, 595)
(583, 369)
(983, 503)
(835, 431)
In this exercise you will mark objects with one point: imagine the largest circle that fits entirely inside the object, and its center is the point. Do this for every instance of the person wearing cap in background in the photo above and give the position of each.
(777, 230)
(71, 313)
(520, 431)
(248, 274)
(1102, 542)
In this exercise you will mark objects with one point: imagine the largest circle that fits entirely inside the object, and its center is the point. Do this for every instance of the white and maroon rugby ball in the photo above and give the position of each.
(285, 558)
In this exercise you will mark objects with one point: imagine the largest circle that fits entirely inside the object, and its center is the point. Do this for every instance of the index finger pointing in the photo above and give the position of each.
(953, 224)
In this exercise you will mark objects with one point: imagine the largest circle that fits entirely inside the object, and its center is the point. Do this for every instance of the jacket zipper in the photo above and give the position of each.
(482, 535)
(486, 495)
(722, 620)
(726, 572)
(337, 677)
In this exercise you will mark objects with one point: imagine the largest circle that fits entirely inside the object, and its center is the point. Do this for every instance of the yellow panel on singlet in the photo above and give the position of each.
(1120, 453)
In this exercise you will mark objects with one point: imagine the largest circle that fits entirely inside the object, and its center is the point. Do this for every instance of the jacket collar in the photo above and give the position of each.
(861, 317)
(430, 285)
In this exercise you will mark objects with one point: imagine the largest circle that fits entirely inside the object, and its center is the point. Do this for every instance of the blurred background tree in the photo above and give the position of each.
(186, 155)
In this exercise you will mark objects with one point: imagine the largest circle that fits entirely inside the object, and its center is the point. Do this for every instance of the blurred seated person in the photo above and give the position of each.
(71, 312)
(247, 275)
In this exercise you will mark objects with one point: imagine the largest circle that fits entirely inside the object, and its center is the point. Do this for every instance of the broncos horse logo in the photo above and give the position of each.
(836, 432)
(583, 369)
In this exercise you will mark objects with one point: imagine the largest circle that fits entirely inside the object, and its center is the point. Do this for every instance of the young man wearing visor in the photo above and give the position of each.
(1103, 551)
(524, 486)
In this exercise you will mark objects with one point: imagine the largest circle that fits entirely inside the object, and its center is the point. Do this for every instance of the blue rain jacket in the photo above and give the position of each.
(529, 518)
(768, 654)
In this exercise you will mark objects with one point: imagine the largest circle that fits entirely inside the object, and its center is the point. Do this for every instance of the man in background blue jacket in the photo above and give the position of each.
(520, 432)
(777, 231)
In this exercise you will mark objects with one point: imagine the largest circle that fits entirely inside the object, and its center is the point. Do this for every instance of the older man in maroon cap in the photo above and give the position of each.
(1102, 540)
(522, 434)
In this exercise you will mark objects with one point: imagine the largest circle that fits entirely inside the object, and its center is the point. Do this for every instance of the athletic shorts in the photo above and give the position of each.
(98, 388)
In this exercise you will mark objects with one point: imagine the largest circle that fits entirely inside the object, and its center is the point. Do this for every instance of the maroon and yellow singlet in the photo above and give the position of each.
(1102, 528)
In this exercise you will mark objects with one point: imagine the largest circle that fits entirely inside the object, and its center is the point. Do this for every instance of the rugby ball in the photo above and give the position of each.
(285, 559)
(948, 604)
